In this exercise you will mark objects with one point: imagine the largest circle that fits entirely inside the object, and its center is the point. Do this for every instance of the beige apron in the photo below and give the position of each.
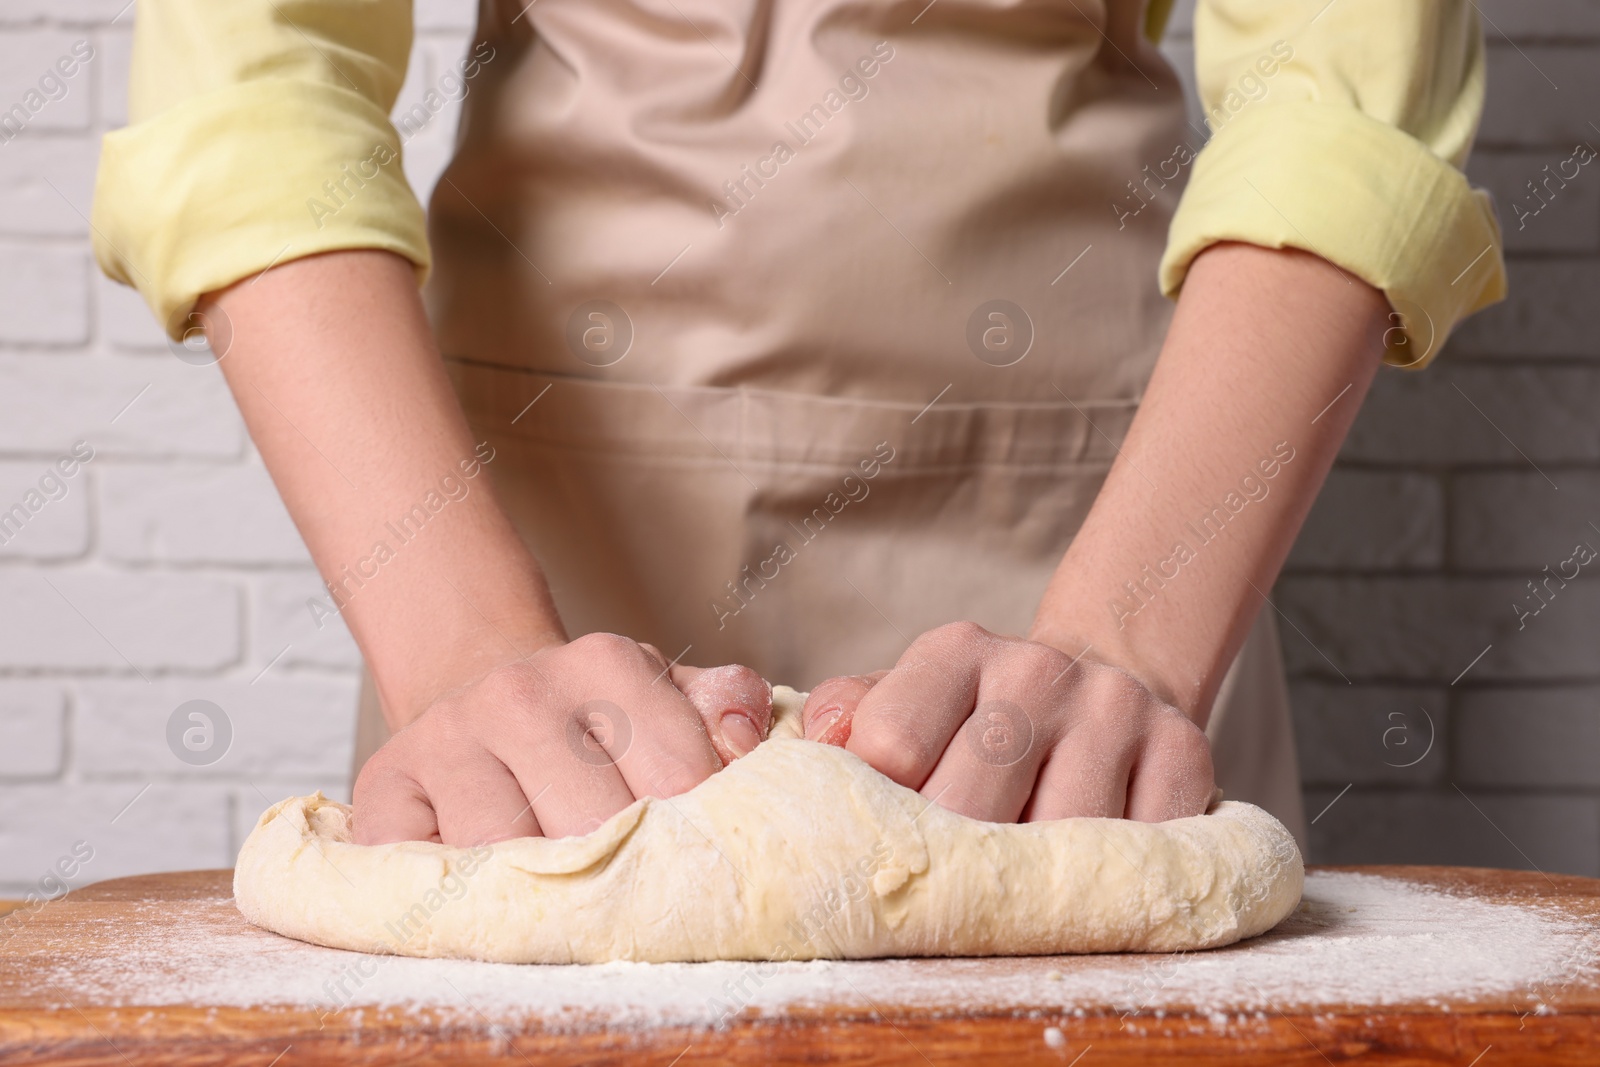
(828, 314)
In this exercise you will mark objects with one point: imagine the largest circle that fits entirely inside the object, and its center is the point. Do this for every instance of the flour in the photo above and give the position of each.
(1355, 939)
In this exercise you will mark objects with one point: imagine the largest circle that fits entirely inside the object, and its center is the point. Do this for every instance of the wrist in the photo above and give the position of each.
(448, 627)
(1182, 686)
(408, 689)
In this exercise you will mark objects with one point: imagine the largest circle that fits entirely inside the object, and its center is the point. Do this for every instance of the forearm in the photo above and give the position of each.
(334, 368)
(1269, 351)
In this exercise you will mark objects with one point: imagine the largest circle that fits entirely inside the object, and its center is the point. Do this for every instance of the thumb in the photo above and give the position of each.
(734, 702)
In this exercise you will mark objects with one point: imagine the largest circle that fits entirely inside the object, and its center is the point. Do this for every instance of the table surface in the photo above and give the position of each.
(76, 976)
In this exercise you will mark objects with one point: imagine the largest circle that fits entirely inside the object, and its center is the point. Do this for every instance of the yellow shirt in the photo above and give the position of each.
(1338, 127)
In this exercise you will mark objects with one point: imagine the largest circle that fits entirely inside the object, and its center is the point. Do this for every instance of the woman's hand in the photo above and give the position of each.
(1011, 730)
(1269, 354)
(556, 743)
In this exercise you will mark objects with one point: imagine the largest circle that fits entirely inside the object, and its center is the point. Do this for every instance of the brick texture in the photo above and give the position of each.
(1555, 214)
(150, 408)
(1549, 831)
(1517, 522)
(43, 515)
(45, 292)
(279, 725)
(218, 513)
(1442, 721)
(49, 98)
(131, 826)
(105, 621)
(34, 723)
(1543, 94)
(1529, 738)
(1549, 311)
(284, 627)
(1429, 628)
(1374, 520)
(1370, 734)
(44, 183)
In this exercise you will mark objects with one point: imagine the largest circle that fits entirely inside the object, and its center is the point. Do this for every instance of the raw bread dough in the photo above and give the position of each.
(797, 851)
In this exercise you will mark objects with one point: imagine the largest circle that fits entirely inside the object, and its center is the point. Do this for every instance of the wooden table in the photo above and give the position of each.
(87, 932)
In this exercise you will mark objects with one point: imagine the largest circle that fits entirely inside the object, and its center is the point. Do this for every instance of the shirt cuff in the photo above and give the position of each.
(224, 185)
(1360, 193)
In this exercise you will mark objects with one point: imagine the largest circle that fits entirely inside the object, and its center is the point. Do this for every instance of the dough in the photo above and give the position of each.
(797, 851)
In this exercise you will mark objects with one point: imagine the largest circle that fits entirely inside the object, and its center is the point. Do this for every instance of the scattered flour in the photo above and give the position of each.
(1355, 939)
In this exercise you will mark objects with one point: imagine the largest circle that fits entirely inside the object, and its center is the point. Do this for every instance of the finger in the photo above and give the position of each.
(906, 722)
(1086, 774)
(478, 800)
(734, 702)
(473, 798)
(1173, 777)
(831, 706)
(661, 745)
(989, 769)
(390, 805)
(570, 783)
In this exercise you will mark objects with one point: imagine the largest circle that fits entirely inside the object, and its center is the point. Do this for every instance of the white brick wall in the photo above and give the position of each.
(169, 571)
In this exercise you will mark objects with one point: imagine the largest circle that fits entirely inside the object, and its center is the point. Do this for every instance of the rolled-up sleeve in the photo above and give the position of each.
(258, 133)
(1341, 128)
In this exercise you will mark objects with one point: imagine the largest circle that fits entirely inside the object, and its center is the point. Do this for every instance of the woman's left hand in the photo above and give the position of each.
(1011, 730)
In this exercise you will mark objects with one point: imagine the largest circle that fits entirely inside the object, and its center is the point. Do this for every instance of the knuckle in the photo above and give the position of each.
(1115, 694)
(891, 748)
(379, 776)
(510, 688)
(1121, 684)
(755, 696)
(1189, 743)
(748, 679)
(958, 633)
(733, 680)
(607, 646)
(1031, 663)
(949, 646)
(366, 784)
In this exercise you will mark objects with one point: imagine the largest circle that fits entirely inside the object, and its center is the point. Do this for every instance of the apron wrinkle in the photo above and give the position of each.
(766, 426)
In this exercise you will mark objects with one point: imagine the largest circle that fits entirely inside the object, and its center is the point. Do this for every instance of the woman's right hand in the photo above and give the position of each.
(555, 743)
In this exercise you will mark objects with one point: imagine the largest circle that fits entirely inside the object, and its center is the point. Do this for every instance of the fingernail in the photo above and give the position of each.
(824, 719)
(740, 733)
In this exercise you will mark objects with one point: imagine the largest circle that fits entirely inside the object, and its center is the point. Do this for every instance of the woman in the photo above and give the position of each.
(817, 338)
